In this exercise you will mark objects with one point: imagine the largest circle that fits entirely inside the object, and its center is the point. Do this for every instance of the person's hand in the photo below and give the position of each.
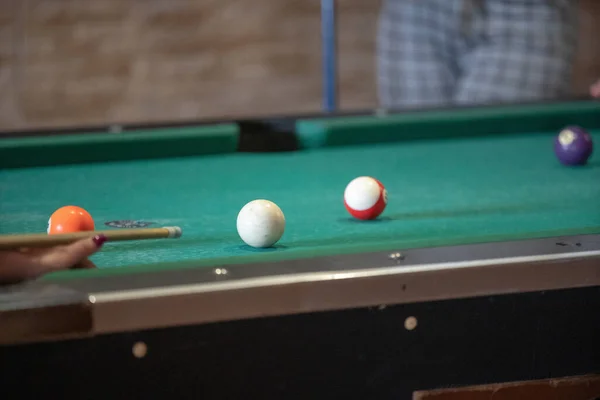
(595, 90)
(23, 264)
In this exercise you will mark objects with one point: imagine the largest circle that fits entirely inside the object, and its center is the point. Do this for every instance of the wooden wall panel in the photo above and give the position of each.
(80, 62)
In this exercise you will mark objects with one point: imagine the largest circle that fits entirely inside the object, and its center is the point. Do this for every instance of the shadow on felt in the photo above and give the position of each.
(455, 213)
(250, 249)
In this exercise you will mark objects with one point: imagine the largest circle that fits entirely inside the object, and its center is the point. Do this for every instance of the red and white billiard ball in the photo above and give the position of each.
(365, 198)
(70, 219)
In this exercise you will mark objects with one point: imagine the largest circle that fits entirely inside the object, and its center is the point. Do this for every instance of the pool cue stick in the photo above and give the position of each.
(13, 242)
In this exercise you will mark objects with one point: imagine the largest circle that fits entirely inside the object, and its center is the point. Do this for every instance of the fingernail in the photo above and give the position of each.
(99, 240)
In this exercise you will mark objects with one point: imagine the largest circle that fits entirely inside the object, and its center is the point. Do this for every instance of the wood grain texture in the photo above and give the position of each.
(571, 388)
(73, 62)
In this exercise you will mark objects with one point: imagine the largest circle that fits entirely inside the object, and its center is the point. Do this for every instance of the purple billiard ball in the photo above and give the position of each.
(573, 146)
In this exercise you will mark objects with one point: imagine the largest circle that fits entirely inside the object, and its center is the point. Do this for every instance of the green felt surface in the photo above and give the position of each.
(141, 144)
(444, 124)
(443, 192)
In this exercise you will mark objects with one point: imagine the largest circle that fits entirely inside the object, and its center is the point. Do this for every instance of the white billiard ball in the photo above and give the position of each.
(365, 198)
(260, 223)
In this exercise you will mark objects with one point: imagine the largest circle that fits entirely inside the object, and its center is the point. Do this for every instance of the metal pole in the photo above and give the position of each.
(329, 54)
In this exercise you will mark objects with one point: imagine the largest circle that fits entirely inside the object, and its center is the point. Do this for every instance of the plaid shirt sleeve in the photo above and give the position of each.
(437, 52)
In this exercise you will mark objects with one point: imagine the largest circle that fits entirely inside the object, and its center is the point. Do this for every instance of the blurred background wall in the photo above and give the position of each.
(82, 62)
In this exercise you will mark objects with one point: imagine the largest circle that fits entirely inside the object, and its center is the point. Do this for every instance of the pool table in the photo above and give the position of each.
(484, 268)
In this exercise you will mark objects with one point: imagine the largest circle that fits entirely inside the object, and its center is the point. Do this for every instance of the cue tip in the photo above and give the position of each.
(174, 232)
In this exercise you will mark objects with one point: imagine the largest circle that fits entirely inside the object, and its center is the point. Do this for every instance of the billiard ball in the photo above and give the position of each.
(573, 146)
(70, 219)
(365, 198)
(260, 223)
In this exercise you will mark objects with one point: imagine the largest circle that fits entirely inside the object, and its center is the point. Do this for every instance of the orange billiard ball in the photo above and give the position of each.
(70, 219)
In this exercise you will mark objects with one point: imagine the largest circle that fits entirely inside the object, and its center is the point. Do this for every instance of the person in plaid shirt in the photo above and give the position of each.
(441, 52)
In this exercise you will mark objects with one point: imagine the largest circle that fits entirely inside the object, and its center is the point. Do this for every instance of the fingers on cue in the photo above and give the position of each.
(84, 264)
(74, 253)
